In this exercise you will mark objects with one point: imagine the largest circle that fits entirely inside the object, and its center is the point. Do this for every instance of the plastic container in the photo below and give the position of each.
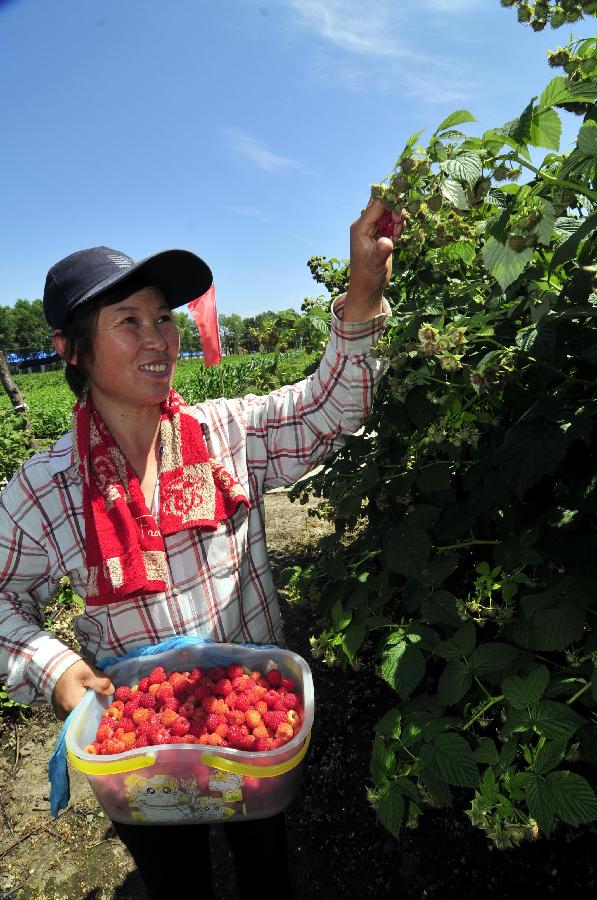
(173, 784)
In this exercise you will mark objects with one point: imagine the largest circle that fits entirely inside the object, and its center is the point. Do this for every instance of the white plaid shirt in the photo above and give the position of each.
(221, 585)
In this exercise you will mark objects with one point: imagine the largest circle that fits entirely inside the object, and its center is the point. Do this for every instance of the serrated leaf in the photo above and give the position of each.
(434, 477)
(459, 117)
(411, 142)
(504, 263)
(462, 643)
(587, 139)
(440, 608)
(407, 551)
(437, 787)
(523, 692)
(453, 192)
(487, 752)
(545, 227)
(572, 798)
(555, 92)
(465, 167)
(353, 638)
(548, 757)
(454, 682)
(390, 725)
(567, 249)
(540, 804)
(546, 129)
(519, 130)
(529, 452)
(488, 787)
(496, 197)
(450, 757)
(491, 657)
(554, 629)
(555, 720)
(464, 250)
(390, 809)
(453, 136)
(403, 667)
(382, 760)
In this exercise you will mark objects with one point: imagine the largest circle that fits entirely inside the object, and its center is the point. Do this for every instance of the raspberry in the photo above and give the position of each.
(159, 735)
(124, 693)
(260, 731)
(222, 729)
(242, 702)
(112, 745)
(180, 726)
(198, 728)
(252, 718)
(235, 717)
(242, 683)
(234, 672)
(129, 740)
(142, 741)
(212, 720)
(291, 701)
(147, 701)
(262, 744)
(168, 716)
(385, 224)
(141, 714)
(143, 685)
(284, 731)
(157, 676)
(171, 703)
(287, 684)
(187, 708)
(104, 731)
(294, 718)
(274, 718)
(246, 742)
(223, 687)
(274, 677)
(164, 690)
(113, 711)
(129, 707)
(153, 688)
(126, 724)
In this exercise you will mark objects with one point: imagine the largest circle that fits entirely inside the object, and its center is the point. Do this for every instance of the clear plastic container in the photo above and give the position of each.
(173, 784)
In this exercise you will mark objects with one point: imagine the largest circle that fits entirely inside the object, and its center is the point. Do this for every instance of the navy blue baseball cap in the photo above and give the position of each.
(86, 275)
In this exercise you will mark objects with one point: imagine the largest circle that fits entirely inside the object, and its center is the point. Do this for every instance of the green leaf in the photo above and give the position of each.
(434, 477)
(441, 608)
(390, 725)
(504, 263)
(437, 787)
(555, 92)
(548, 757)
(487, 752)
(523, 692)
(488, 787)
(492, 657)
(464, 250)
(572, 798)
(454, 682)
(529, 452)
(519, 130)
(465, 167)
(546, 129)
(407, 550)
(411, 142)
(555, 720)
(545, 227)
(554, 629)
(459, 117)
(587, 139)
(390, 809)
(541, 804)
(567, 249)
(462, 643)
(454, 193)
(450, 758)
(353, 638)
(403, 667)
(383, 761)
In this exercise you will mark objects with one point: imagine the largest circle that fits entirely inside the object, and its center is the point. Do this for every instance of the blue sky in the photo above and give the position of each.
(248, 132)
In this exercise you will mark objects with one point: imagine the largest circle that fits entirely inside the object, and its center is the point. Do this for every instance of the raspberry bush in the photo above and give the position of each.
(464, 557)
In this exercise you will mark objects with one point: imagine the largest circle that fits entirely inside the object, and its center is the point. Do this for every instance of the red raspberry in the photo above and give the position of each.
(113, 745)
(252, 718)
(180, 727)
(234, 671)
(235, 717)
(242, 702)
(142, 714)
(246, 742)
(129, 708)
(143, 685)
(104, 731)
(223, 687)
(242, 683)
(171, 703)
(147, 701)
(287, 684)
(235, 733)
(200, 692)
(142, 741)
(124, 693)
(222, 729)
(385, 224)
(291, 701)
(157, 676)
(262, 744)
(159, 735)
(273, 718)
(165, 690)
(198, 728)
(212, 720)
(126, 724)
(274, 677)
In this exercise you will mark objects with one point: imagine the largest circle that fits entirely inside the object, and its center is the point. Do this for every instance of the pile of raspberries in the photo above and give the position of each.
(222, 706)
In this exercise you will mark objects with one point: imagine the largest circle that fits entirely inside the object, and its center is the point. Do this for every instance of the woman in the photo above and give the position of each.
(155, 509)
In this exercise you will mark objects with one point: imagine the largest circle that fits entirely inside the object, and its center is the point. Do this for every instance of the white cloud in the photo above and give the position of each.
(249, 148)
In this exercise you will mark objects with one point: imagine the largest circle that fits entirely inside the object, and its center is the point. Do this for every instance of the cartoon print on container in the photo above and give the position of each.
(228, 783)
(212, 808)
(157, 799)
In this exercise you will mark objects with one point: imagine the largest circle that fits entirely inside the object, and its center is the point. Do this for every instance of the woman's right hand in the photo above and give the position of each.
(72, 685)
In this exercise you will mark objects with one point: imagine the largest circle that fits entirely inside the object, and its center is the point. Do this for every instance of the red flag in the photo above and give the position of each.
(204, 312)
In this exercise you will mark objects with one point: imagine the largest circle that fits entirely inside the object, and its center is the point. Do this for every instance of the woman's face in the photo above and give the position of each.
(134, 353)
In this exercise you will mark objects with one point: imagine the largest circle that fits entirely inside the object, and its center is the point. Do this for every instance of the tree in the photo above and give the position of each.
(31, 332)
(190, 341)
(231, 330)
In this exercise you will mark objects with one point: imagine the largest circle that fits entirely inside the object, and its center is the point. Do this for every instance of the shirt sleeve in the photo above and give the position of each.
(295, 428)
(31, 658)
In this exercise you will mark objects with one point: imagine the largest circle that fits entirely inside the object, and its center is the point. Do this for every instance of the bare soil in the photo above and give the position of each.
(338, 851)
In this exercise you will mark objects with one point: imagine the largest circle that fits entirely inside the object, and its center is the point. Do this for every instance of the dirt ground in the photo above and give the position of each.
(338, 851)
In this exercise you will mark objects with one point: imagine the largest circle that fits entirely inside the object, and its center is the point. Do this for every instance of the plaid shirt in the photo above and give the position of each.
(220, 585)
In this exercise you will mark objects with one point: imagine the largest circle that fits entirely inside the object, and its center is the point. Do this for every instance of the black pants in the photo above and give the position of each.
(170, 858)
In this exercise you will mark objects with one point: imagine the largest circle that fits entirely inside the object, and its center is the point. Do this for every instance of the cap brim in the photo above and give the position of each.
(182, 276)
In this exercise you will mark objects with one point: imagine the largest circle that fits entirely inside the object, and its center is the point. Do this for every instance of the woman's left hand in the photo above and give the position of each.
(370, 263)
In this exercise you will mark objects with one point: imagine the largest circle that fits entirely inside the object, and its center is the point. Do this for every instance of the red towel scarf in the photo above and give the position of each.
(124, 544)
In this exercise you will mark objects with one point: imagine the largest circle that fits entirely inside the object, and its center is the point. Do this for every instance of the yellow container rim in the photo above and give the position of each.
(130, 764)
